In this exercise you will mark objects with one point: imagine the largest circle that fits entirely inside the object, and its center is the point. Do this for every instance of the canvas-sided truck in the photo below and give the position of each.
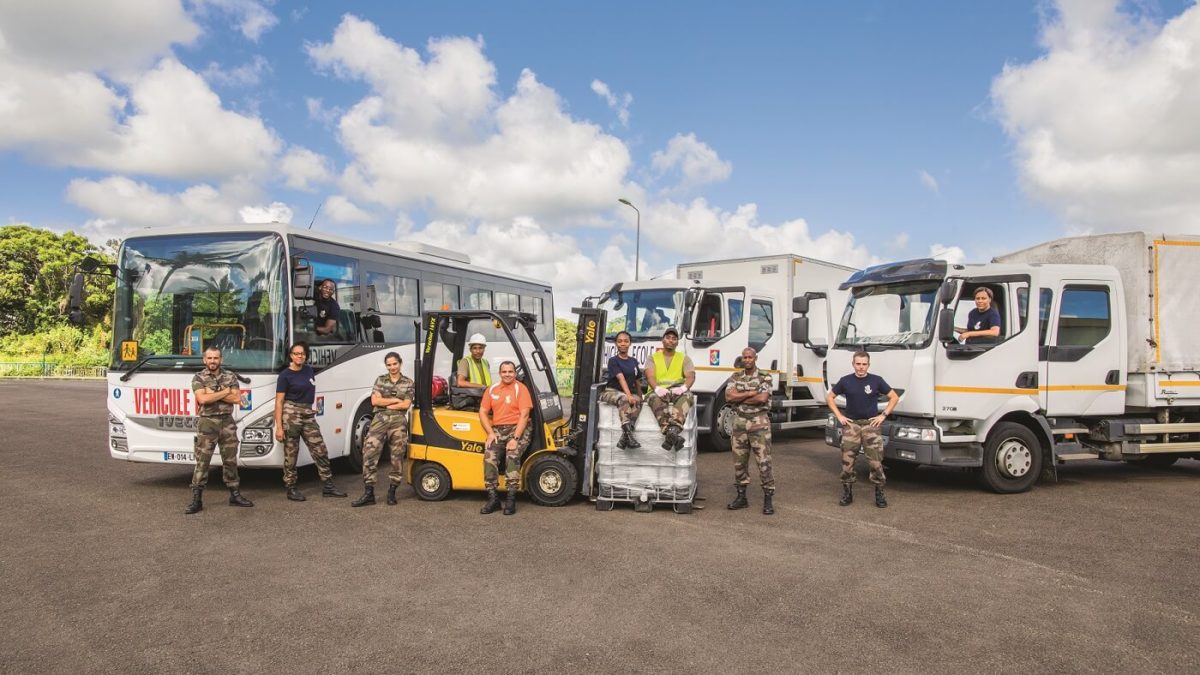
(1098, 357)
(721, 307)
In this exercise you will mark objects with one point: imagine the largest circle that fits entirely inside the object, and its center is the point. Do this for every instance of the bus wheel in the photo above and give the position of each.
(719, 438)
(431, 482)
(359, 427)
(1012, 459)
(551, 480)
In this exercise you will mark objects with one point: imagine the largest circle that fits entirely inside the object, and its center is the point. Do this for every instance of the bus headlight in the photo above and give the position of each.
(116, 428)
(260, 430)
(916, 434)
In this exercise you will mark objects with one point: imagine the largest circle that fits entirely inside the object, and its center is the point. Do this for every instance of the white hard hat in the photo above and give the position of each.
(477, 339)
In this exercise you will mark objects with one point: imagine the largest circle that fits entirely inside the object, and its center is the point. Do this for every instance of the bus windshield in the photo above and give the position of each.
(896, 316)
(644, 314)
(177, 295)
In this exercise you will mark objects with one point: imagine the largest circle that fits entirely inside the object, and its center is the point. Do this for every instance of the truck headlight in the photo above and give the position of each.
(916, 434)
(830, 420)
(116, 428)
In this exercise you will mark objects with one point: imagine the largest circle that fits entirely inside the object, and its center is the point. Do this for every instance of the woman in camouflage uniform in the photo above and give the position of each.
(391, 397)
(295, 394)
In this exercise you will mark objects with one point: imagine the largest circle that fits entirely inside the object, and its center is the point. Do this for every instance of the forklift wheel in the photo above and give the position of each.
(551, 480)
(431, 482)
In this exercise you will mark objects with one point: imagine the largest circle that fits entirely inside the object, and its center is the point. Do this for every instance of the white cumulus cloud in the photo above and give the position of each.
(434, 133)
(250, 17)
(928, 181)
(1104, 122)
(619, 104)
(303, 169)
(951, 254)
(342, 211)
(121, 205)
(696, 162)
(249, 74)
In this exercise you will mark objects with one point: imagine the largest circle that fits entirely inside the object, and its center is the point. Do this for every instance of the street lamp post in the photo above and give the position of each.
(637, 246)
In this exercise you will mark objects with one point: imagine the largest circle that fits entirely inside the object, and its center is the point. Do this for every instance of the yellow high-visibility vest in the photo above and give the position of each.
(479, 373)
(668, 376)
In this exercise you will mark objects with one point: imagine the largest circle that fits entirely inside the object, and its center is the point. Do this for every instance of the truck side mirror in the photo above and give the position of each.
(946, 325)
(75, 300)
(800, 330)
(947, 293)
(800, 305)
(302, 280)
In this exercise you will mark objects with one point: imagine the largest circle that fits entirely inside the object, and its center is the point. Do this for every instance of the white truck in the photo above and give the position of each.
(1098, 357)
(721, 307)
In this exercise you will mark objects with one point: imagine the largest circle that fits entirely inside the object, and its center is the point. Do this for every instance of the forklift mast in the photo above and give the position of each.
(589, 354)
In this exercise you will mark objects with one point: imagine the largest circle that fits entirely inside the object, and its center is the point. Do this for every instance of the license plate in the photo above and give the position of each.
(178, 423)
(179, 457)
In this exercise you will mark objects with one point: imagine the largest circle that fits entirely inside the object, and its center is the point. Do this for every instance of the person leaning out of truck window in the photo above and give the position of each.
(327, 309)
(983, 322)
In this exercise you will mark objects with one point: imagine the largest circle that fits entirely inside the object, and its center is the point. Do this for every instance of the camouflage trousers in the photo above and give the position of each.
(300, 421)
(214, 431)
(752, 435)
(856, 433)
(671, 410)
(392, 429)
(512, 458)
(626, 408)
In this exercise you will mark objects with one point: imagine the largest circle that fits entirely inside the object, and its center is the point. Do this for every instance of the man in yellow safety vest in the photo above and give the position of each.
(670, 376)
(473, 370)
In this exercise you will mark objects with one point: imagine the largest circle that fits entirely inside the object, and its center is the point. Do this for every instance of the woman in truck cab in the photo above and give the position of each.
(983, 322)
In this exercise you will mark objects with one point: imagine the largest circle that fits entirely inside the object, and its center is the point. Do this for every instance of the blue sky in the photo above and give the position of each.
(853, 131)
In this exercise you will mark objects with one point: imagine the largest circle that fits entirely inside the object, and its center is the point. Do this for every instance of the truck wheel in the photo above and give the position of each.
(431, 482)
(1012, 459)
(718, 438)
(551, 480)
(1156, 461)
(358, 435)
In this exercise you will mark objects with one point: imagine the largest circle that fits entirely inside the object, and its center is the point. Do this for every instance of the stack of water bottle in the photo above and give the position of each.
(649, 473)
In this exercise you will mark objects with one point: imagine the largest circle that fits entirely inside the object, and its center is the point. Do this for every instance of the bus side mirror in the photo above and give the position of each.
(946, 325)
(800, 328)
(800, 305)
(302, 280)
(947, 293)
(75, 300)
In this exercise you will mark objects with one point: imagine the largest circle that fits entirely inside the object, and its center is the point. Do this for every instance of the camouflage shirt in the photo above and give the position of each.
(759, 381)
(223, 380)
(403, 390)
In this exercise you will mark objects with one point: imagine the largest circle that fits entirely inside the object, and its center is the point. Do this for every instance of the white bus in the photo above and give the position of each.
(247, 289)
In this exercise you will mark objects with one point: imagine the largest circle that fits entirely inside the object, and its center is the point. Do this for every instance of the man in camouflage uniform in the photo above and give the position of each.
(391, 396)
(861, 424)
(670, 375)
(749, 391)
(505, 414)
(216, 391)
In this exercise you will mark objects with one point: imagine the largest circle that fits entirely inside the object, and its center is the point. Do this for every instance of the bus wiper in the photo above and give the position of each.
(155, 357)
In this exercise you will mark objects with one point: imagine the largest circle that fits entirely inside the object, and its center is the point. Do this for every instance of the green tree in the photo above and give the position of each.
(35, 276)
(564, 340)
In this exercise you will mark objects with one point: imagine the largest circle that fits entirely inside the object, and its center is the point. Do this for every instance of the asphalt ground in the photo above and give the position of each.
(102, 572)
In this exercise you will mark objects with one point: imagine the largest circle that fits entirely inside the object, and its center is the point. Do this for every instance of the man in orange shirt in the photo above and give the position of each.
(509, 404)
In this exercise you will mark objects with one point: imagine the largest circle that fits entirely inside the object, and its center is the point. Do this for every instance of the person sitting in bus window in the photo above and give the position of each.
(983, 322)
(327, 309)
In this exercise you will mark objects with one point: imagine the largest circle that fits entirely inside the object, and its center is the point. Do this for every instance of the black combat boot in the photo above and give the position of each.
(391, 499)
(768, 506)
(294, 495)
(197, 504)
(368, 497)
(493, 502)
(678, 439)
(331, 490)
(880, 501)
(623, 441)
(847, 495)
(669, 439)
(510, 503)
(236, 498)
(739, 502)
(630, 441)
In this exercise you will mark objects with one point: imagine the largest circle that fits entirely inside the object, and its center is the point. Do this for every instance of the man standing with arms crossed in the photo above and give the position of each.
(216, 391)
(750, 393)
(860, 424)
(670, 376)
(504, 414)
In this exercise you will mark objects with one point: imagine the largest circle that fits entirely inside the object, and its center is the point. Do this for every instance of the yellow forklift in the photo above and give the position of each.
(446, 446)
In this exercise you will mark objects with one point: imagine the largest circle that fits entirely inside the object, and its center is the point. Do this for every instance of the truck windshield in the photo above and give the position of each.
(177, 295)
(897, 316)
(644, 314)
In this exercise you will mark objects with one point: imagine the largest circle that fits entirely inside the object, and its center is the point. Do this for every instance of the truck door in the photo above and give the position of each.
(762, 334)
(1085, 356)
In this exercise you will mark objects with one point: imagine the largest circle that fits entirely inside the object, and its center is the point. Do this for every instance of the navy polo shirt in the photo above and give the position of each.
(298, 386)
(862, 394)
(628, 367)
